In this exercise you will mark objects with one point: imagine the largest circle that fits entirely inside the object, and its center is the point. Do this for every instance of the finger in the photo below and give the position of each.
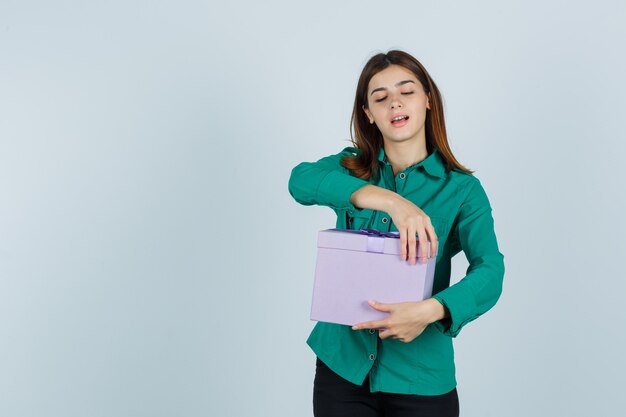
(422, 246)
(387, 334)
(380, 306)
(411, 243)
(403, 237)
(370, 325)
(384, 333)
(434, 240)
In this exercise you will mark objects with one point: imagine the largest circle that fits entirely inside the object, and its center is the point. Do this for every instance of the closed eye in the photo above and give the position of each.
(406, 93)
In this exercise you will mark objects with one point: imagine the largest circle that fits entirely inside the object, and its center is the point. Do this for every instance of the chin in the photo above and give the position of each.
(401, 138)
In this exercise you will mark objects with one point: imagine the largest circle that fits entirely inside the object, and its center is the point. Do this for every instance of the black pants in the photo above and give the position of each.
(333, 396)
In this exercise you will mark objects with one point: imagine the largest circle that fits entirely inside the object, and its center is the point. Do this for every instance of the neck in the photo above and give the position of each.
(402, 155)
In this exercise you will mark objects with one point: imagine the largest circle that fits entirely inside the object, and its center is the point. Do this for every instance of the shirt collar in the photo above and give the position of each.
(433, 164)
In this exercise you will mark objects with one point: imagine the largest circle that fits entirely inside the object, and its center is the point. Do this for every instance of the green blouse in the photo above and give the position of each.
(461, 215)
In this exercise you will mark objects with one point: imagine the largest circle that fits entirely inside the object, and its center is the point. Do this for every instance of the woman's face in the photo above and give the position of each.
(395, 92)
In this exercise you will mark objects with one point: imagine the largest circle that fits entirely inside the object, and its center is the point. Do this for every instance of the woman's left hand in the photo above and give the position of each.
(406, 321)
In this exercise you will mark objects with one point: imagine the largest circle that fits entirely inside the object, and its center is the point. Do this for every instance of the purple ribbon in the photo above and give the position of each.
(375, 238)
(372, 232)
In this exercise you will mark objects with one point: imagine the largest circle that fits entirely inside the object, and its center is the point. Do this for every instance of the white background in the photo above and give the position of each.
(152, 262)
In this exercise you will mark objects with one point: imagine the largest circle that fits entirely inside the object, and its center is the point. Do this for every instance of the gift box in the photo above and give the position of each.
(354, 266)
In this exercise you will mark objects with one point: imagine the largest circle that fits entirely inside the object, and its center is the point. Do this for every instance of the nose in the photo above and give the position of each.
(395, 103)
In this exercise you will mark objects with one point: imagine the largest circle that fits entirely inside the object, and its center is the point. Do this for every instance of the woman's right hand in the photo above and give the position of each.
(408, 218)
(411, 220)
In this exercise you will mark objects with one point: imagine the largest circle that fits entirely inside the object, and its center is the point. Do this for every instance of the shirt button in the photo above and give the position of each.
(402, 176)
(372, 356)
(372, 331)
(384, 220)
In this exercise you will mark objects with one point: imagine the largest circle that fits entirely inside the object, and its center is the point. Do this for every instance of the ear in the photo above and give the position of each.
(369, 115)
(428, 101)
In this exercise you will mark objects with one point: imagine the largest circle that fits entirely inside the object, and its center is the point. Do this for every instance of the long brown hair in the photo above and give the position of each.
(368, 138)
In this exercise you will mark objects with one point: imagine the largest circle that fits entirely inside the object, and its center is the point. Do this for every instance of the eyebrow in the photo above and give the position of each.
(397, 85)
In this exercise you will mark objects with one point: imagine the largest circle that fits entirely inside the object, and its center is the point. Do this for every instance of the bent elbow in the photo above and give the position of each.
(299, 187)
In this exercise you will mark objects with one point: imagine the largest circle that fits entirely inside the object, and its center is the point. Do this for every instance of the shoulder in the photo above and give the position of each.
(350, 151)
(347, 151)
(329, 162)
(468, 186)
(335, 159)
(462, 179)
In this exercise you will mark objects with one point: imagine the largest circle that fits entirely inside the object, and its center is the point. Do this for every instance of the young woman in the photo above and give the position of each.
(400, 175)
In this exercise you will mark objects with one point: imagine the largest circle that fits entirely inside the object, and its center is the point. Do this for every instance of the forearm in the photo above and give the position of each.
(476, 293)
(374, 198)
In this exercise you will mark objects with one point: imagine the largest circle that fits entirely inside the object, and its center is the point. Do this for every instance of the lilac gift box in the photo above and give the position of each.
(354, 266)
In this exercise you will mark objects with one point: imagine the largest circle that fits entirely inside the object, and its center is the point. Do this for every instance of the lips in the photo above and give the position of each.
(399, 120)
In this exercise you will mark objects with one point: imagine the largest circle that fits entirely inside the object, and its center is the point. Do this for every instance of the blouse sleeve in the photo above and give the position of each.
(325, 182)
(481, 287)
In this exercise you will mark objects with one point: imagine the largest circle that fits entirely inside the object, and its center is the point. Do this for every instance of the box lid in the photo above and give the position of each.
(363, 240)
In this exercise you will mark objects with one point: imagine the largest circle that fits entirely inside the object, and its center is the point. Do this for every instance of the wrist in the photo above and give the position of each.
(436, 310)
(392, 202)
